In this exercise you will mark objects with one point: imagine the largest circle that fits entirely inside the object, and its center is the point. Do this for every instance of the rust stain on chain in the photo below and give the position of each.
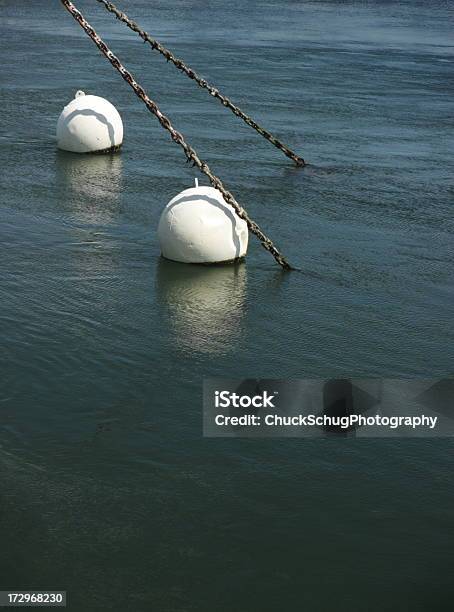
(156, 45)
(191, 154)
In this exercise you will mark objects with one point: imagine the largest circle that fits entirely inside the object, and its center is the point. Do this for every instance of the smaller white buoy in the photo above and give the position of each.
(198, 226)
(88, 124)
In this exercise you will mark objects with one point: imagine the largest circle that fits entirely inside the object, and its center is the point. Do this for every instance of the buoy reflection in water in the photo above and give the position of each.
(93, 185)
(205, 305)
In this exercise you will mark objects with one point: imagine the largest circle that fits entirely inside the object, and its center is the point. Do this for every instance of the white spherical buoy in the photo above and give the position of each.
(198, 226)
(88, 124)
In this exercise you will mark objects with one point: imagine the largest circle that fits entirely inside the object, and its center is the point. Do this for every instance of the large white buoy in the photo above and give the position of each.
(198, 226)
(88, 124)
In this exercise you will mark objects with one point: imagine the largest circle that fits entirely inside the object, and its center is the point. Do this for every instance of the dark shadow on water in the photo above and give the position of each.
(311, 171)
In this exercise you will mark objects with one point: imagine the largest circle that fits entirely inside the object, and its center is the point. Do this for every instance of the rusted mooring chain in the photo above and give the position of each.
(191, 154)
(299, 161)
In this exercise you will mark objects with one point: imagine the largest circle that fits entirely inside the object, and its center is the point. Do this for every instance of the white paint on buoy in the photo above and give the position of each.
(88, 124)
(198, 226)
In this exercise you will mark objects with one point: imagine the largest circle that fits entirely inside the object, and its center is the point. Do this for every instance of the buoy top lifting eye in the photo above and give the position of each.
(79, 93)
(196, 181)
